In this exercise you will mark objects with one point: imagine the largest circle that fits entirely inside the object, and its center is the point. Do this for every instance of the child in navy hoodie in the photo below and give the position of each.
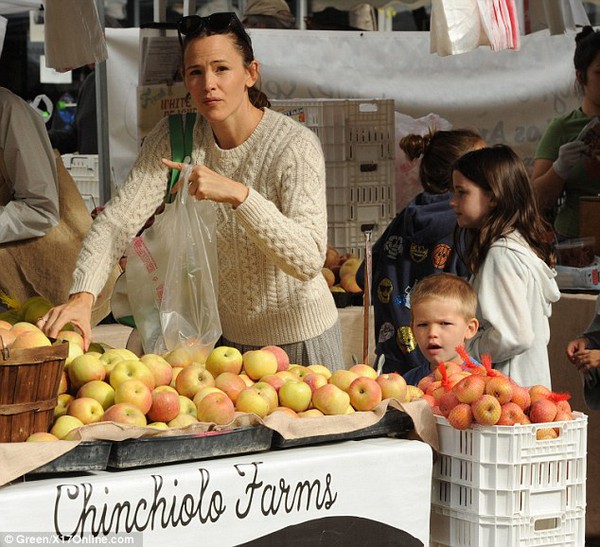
(417, 243)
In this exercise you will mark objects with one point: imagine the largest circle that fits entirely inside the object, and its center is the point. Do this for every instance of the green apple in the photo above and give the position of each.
(249, 400)
(64, 425)
(268, 392)
(182, 420)
(224, 359)
(342, 378)
(130, 369)
(41, 436)
(85, 368)
(330, 399)
(100, 390)
(187, 406)
(62, 403)
(295, 395)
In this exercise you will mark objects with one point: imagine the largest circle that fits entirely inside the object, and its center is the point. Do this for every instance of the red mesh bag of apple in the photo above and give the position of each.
(474, 393)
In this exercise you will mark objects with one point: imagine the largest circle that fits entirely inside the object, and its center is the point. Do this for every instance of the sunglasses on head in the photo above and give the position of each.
(216, 23)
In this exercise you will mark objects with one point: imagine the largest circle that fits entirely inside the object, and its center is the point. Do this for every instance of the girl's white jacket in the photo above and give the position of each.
(516, 290)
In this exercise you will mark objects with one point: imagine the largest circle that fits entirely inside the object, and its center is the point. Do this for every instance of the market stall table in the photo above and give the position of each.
(349, 493)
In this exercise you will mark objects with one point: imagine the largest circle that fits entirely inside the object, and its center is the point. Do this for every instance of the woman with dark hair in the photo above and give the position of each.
(511, 257)
(564, 164)
(265, 175)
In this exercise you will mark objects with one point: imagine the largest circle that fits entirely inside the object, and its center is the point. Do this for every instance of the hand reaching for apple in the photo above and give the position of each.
(204, 183)
(77, 310)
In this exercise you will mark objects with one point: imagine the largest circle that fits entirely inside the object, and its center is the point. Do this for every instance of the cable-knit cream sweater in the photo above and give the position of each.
(271, 248)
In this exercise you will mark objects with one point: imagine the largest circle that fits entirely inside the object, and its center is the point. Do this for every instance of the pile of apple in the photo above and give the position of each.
(340, 270)
(479, 394)
(173, 390)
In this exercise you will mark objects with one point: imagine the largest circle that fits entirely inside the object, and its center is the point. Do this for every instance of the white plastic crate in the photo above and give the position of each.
(514, 444)
(349, 129)
(450, 528)
(509, 489)
(496, 480)
(362, 192)
(85, 172)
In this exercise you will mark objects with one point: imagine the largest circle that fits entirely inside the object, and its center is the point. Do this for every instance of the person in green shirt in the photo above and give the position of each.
(566, 167)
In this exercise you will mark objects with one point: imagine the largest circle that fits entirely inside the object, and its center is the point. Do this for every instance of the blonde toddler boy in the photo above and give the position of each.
(443, 315)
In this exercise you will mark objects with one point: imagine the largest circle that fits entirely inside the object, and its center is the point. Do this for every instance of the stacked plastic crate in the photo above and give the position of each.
(501, 485)
(358, 138)
(85, 172)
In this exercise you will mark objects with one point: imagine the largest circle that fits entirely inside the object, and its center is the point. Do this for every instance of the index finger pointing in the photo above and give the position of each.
(172, 164)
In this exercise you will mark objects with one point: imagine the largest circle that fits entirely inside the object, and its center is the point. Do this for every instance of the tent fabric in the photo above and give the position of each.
(86, 43)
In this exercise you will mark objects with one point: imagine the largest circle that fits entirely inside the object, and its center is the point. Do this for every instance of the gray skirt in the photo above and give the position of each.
(325, 349)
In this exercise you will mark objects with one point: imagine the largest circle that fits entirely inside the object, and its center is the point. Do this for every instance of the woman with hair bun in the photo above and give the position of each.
(265, 175)
(417, 243)
(563, 163)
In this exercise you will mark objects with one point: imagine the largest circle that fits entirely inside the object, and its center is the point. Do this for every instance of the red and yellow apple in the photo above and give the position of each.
(192, 379)
(283, 360)
(165, 404)
(330, 399)
(159, 367)
(365, 393)
(86, 409)
(125, 413)
(231, 384)
(216, 408)
(136, 393)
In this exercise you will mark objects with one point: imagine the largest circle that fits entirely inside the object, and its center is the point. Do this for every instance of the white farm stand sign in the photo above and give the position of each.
(378, 487)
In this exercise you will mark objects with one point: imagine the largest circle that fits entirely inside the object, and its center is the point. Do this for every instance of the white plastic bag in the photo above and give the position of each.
(172, 279)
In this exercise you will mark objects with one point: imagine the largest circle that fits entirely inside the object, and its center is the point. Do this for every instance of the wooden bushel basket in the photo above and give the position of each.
(29, 380)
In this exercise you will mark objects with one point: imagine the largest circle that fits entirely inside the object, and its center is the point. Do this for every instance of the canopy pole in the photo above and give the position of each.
(102, 120)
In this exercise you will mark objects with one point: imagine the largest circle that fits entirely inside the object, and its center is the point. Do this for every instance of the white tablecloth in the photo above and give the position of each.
(343, 490)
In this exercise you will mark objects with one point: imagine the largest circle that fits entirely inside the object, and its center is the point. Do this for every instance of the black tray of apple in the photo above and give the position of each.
(182, 448)
(394, 423)
(86, 456)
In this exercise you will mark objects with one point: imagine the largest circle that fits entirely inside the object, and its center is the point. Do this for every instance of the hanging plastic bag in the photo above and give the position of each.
(171, 278)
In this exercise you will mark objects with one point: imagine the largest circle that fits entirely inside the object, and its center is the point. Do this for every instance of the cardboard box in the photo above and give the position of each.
(589, 219)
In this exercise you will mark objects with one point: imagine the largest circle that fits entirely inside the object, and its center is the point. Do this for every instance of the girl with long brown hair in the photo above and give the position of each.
(511, 258)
